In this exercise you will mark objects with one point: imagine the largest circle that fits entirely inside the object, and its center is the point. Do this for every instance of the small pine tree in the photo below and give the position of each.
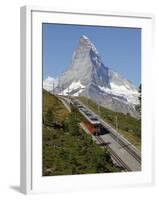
(73, 125)
(49, 117)
(139, 98)
(138, 107)
(140, 94)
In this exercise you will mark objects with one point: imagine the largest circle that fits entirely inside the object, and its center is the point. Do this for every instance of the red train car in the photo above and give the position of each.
(91, 122)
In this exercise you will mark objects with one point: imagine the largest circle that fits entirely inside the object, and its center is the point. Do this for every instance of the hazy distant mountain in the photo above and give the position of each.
(49, 83)
(88, 76)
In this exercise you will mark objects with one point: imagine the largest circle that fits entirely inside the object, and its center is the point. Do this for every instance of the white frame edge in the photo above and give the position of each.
(90, 12)
(25, 103)
(26, 84)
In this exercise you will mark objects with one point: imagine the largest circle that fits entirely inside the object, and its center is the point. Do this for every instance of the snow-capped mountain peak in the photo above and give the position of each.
(85, 41)
(88, 76)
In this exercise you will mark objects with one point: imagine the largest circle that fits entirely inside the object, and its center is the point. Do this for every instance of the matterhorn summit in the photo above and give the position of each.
(88, 76)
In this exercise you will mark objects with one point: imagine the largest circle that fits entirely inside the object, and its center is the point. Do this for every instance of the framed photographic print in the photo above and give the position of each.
(86, 100)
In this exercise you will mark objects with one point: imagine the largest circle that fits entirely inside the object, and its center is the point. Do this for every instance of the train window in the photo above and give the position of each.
(93, 118)
(88, 114)
(80, 106)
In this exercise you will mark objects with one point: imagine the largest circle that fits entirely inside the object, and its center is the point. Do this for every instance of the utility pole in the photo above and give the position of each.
(87, 99)
(98, 108)
(62, 90)
(68, 91)
(53, 87)
(116, 122)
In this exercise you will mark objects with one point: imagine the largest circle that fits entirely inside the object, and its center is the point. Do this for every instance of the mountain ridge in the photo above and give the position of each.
(88, 76)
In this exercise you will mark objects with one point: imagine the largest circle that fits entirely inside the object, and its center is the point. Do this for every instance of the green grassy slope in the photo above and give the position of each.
(58, 109)
(66, 152)
(128, 126)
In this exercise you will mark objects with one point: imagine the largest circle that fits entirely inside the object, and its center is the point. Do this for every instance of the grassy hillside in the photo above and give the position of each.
(66, 148)
(53, 103)
(128, 126)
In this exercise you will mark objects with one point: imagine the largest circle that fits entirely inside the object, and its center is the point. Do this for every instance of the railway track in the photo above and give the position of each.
(118, 160)
(130, 151)
(124, 145)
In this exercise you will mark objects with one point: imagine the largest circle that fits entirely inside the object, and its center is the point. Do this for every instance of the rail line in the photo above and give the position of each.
(114, 155)
(121, 142)
(124, 145)
(130, 151)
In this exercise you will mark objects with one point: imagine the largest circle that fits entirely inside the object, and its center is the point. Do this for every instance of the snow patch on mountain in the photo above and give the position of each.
(74, 89)
(124, 91)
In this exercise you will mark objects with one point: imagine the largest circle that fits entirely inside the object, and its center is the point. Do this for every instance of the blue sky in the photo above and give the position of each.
(119, 48)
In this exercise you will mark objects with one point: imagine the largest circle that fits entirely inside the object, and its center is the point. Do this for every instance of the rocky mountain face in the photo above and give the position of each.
(88, 76)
